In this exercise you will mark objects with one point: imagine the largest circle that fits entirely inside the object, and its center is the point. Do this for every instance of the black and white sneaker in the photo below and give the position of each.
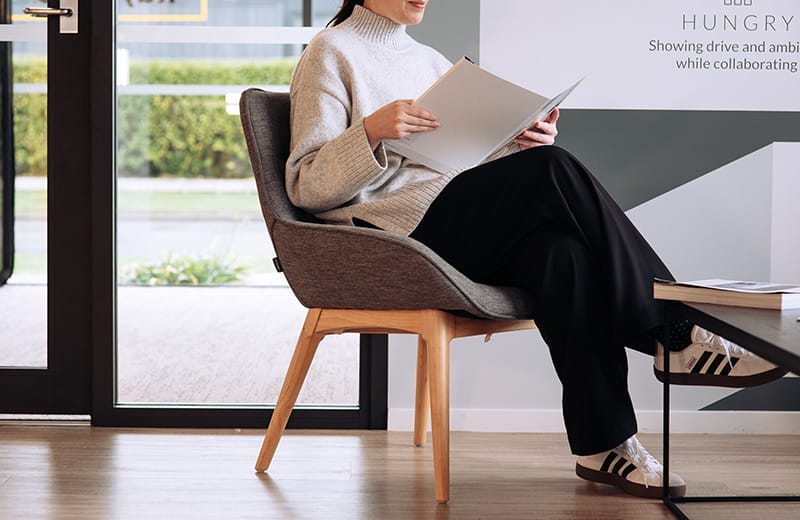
(711, 360)
(631, 468)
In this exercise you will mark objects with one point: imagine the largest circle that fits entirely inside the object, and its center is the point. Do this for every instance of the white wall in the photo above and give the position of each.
(786, 213)
(737, 221)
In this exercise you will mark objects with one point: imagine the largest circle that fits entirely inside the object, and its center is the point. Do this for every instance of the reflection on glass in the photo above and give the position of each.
(6, 162)
(202, 315)
(323, 11)
(23, 299)
(5, 222)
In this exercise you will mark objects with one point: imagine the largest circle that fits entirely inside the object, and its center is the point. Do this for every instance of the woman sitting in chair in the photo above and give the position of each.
(535, 219)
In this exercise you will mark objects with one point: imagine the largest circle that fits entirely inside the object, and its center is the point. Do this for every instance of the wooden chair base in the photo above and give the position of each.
(435, 329)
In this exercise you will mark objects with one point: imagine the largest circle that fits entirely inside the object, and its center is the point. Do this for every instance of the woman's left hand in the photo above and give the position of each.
(541, 133)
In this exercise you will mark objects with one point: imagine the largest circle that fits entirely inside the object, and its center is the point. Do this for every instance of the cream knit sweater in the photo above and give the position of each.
(345, 74)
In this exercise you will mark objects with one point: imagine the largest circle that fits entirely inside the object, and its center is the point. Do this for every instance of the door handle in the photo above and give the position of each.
(68, 13)
(43, 12)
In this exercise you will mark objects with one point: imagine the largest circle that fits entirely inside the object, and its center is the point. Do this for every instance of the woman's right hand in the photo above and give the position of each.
(398, 119)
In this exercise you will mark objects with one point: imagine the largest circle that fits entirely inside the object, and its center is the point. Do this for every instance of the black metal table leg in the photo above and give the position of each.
(673, 313)
(667, 498)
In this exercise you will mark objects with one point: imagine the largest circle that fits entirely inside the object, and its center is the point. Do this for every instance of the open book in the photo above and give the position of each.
(738, 293)
(479, 113)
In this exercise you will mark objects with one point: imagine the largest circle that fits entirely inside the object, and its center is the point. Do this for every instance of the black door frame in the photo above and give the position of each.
(64, 387)
(370, 414)
(6, 152)
(372, 409)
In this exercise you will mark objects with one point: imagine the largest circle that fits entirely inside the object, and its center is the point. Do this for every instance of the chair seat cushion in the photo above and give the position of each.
(359, 268)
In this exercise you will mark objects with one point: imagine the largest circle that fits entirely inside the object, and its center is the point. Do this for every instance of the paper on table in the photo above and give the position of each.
(740, 286)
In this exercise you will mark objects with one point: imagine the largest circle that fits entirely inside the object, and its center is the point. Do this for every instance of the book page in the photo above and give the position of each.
(477, 111)
(540, 115)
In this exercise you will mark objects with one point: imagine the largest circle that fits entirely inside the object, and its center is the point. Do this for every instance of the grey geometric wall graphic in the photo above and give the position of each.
(738, 221)
(729, 223)
(640, 154)
(462, 21)
(781, 395)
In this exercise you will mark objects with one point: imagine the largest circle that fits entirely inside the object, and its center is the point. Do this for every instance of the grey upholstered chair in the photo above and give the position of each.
(400, 286)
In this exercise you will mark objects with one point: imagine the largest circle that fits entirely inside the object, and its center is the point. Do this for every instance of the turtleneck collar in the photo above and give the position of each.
(377, 28)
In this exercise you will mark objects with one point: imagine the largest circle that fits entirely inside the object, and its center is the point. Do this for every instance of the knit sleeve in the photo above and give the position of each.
(330, 160)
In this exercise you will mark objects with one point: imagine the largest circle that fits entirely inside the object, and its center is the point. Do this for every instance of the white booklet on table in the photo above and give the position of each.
(741, 293)
(479, 113)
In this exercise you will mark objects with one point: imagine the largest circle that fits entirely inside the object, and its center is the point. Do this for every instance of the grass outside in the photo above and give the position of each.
(34, 203)
(30, 264)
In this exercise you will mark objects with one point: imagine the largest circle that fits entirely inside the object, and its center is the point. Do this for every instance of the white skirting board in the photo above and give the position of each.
(650, 421)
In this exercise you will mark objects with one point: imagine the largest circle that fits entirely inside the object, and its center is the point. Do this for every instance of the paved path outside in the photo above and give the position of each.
(146, 184)
(187, 344)
(151, 237)
(245, 240)
(195, 344)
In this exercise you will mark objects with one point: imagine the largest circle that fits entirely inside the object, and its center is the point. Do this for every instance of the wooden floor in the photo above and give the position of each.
(79, 472)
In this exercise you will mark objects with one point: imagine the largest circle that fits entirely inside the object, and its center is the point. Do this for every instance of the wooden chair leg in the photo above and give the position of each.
(295, 376)
(422, 405)
(438, 348)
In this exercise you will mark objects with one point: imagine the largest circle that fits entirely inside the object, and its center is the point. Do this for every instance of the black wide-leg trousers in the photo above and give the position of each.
(539, 220)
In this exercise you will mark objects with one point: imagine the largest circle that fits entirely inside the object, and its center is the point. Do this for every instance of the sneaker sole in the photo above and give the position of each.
(681, 378)
(632, 488)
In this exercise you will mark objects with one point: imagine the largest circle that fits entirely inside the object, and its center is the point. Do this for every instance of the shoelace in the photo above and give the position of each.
(702, 335)
(648, 465)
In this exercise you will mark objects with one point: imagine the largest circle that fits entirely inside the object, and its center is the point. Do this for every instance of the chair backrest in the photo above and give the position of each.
(265, 117)
(325, 265)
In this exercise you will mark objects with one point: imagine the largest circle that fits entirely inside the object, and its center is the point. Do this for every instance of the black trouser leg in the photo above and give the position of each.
(486, 223)
(484, 212)
(559, 271)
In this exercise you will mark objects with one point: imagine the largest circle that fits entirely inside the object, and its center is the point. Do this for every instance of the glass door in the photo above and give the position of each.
(123, 164)
(45, 307)
(203, 327)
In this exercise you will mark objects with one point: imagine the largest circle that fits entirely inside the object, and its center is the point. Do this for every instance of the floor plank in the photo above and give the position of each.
(80, 472)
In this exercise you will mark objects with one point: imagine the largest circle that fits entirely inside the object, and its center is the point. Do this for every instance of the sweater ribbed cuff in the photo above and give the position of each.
(355, 156)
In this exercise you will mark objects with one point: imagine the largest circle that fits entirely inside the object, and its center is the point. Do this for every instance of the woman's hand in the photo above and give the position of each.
(398, 119)
(541, 133)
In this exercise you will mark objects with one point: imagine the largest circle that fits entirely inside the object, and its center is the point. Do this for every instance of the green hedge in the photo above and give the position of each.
(185, 136)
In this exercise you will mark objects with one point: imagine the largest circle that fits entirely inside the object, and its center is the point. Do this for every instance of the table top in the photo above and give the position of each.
(771, 334)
